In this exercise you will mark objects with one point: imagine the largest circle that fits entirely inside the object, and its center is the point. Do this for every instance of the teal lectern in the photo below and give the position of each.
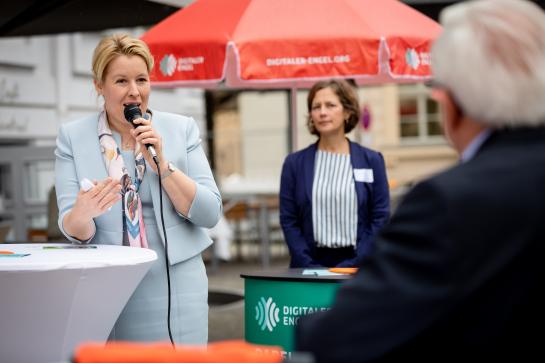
(275, 300)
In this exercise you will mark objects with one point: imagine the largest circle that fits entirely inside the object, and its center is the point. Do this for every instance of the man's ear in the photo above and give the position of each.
(451, 110)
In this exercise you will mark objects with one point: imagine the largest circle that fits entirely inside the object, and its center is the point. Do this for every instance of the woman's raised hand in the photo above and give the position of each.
(94, 202)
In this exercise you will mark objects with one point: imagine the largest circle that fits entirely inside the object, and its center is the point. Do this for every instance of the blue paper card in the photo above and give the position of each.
(70, 247)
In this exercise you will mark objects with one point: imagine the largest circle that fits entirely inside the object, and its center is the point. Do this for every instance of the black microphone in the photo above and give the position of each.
(132, 112)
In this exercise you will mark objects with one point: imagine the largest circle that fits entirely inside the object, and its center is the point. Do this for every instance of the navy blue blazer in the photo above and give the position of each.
(457, 274)
(296, 203)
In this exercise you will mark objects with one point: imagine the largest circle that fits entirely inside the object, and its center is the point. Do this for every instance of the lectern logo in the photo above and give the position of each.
(266, 314)
(168, 65)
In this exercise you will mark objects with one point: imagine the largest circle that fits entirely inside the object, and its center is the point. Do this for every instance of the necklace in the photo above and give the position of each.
(126, 141)
(127, 145)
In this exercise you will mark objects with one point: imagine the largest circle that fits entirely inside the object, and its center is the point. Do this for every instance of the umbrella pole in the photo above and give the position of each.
(292, 127)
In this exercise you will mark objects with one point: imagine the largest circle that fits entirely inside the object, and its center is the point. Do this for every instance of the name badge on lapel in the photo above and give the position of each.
(364, 175)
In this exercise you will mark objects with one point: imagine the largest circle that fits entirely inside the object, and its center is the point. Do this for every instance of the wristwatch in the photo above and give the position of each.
(170, 169)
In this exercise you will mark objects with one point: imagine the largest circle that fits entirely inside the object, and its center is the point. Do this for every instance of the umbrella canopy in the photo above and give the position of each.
(287, 44)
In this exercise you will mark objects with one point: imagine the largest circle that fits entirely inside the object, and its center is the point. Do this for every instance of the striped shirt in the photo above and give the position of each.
(334, 201)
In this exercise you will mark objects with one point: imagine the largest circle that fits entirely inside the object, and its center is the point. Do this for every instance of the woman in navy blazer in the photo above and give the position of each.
(333, 112)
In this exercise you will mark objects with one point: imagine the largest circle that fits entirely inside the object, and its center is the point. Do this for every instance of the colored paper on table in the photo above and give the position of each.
(15, 255)
(71, 247)
(319, 272)
(344, 270)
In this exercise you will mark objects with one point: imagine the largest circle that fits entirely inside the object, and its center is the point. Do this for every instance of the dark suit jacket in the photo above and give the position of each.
(296, 203)
(458, 274)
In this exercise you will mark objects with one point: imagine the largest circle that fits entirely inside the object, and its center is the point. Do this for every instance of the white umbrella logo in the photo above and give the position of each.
(168, 65)
(412, 58)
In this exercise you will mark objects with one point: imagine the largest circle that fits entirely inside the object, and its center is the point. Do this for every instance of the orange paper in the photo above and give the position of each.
(344, 270)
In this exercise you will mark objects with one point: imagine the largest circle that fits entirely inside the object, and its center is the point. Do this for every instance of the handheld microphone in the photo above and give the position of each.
(132, 112)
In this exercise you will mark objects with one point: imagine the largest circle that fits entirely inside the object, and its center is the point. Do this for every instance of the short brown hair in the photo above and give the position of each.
(347, 96)
(112, 46)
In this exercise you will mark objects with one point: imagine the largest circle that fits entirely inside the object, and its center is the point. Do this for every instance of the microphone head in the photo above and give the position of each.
(131, 112)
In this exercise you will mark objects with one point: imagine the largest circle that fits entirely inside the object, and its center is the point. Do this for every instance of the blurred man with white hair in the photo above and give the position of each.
(457, 274)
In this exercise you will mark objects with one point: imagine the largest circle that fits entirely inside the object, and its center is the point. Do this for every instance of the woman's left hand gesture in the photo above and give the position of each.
(146, 134)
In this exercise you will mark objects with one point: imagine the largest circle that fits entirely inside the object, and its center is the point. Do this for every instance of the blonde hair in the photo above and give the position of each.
(113, 46)
(491, 56)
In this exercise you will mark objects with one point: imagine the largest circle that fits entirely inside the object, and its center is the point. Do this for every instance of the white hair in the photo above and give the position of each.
(491, 57)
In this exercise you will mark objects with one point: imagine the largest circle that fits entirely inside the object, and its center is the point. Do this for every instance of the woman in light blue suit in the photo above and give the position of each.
(107, 149)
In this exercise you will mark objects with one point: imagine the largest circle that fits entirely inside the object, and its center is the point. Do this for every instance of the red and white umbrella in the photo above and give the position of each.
(291, 43)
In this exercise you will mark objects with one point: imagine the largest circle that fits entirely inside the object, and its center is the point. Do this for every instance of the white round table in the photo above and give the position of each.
(60, 296)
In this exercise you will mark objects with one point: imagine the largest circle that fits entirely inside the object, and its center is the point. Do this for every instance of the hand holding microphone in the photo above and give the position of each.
(143, 132)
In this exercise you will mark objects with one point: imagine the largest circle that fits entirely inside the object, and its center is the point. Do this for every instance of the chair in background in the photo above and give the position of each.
(220, 250)
(5, 227)
(240, 214)
(277, 243)
(54, 233)
(256, 224)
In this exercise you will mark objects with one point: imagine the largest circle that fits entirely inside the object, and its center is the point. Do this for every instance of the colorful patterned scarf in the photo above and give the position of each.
(134, 231)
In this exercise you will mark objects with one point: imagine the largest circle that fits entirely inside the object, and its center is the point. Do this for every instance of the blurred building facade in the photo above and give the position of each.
(46, 81)
(403, 123)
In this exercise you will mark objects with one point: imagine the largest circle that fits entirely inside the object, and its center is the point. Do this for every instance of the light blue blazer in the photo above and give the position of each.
(78, 156)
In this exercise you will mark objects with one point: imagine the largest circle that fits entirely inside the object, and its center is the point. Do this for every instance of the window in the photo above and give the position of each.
(419, 116)
(39, 176)
(26, 177)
